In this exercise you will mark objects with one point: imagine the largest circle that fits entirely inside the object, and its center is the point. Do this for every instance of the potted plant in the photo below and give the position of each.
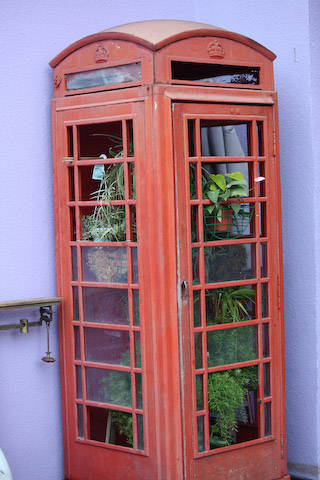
(225, 192)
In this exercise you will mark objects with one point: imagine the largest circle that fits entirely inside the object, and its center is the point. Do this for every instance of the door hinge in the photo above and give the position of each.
(274, 144)
(184, 289)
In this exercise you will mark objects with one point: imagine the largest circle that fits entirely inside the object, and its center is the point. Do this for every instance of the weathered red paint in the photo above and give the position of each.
(159, 108)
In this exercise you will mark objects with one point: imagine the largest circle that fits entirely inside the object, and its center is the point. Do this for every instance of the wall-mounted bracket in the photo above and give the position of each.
(45, 305)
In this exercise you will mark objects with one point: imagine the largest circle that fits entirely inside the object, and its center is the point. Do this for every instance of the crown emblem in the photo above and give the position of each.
(101, 55)
(215, 49)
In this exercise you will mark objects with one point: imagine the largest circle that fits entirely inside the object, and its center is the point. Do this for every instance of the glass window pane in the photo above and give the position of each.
(77, 352)
(195, 265)
(230, 304)
(104, 264)
(260, 143)
(196, 308)
(130, 139)
(79, 381)
(233, 417)
(191, 139)
(101, 140)
(200, 429)
(199, 391)
(102, 182)
(132, 184)
(109, 386)
(225, 169)
(74, 260)
(264, 300)
(267, 419)
(214, 73)
(104, 76)
(263, 259)
(137, 349)
(225, 139)
(103, 223)
(230, 224)
(229, 262)
(193, 180)
(266, 379)
(80, 421)
(262, 178)
(105, 305)
(262, 219)
(75, 304)
(230, 346)
(136, 307)
(198, 349)
(110, 426)
(138, 390)
(73, 224)
(194, 224)
(265, 340)
(107, 346)
(140, 432)
(133, 223)
(135, 276)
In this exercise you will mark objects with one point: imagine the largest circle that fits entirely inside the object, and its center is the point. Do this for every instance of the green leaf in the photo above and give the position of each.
(235, 175)
(213, 196)
(237, 182)
(235, 207)
(219, 214)
(209, 209)
(238, 192)
(219, 180)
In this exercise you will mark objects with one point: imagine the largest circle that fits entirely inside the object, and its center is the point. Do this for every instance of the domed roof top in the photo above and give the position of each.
(155, 34)
(156, 31)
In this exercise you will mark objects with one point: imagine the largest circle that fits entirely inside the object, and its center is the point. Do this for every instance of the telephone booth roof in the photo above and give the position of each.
(156, 34)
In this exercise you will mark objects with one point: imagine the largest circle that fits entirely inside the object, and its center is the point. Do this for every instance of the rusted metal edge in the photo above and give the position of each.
(36, 302)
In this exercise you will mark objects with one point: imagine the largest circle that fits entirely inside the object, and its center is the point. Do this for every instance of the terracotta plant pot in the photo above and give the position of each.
(225, 224)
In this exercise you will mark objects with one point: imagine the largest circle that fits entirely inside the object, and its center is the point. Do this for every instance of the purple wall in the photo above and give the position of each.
(31, 34)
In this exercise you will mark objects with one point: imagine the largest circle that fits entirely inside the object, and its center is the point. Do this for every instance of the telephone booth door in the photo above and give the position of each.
(229, 312)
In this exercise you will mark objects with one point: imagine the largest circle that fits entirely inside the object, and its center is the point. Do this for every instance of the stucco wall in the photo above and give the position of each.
(31, 34)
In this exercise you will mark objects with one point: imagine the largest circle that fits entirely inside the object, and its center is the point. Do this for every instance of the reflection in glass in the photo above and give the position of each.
(105, 305)
(215, 73)
(267, 419)
(104, 264)
(199, 390)
(224, 139)
(104, 76)
(77, 352)
(198, 350)
(229, 262)
(195, 265)
(79, 381)
(136, 308)
(230, 346)
(140, 432)
(230, 304)
(108, 386)
(107, 346)
(80, 421)
(200, 429)
(233, 417)
(265, 340)
(196, 308)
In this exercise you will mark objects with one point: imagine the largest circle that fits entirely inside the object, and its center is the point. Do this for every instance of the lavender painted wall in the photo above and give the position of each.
(31, 34)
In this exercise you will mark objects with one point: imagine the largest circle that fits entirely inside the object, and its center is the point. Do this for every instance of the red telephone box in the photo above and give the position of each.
(168, 234)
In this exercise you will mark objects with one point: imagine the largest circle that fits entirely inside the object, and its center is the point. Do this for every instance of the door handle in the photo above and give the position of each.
(184, 289)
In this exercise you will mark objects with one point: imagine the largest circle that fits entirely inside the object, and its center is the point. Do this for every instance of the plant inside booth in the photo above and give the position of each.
(226, 212)
(229, 390)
